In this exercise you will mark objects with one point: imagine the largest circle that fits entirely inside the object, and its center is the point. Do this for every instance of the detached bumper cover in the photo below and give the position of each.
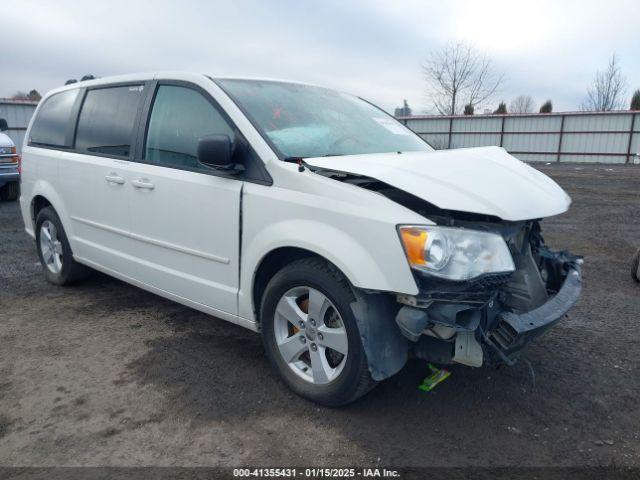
(514, 331)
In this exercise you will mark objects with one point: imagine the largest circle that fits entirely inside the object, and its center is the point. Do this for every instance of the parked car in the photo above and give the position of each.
(304, 213)
(9, 166)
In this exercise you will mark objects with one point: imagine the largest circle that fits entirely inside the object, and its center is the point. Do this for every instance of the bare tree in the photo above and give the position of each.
(457, 76)
(521, 104)
(20, 95)
(33, 95)
(607, 90)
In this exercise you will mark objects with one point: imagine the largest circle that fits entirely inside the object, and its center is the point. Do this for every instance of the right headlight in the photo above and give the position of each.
(455, 253)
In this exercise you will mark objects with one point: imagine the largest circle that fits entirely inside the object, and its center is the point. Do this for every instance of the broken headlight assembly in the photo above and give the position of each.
(455, 253)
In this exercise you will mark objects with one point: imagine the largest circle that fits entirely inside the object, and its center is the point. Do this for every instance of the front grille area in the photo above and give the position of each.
(504, 335)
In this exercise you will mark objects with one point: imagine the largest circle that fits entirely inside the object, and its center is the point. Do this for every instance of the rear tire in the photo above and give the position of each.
(11, 191)
(54, 251)
(346, 376)
(635, 263)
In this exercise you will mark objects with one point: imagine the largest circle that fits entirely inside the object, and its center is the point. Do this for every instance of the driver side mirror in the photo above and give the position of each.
(3, 125)
(216, 151)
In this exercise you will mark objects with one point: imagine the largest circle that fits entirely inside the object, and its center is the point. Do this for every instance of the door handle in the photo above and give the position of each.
(143, 183)
(114, 178)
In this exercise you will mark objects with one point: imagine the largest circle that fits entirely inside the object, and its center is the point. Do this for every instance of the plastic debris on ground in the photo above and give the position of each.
(437, 376)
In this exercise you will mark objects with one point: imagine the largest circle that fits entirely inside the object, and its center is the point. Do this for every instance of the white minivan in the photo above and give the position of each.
(300, 212)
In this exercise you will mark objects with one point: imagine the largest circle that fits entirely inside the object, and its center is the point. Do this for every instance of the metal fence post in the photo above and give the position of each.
(502, 130)
(560, 138)
(633, 125)
(450, 130)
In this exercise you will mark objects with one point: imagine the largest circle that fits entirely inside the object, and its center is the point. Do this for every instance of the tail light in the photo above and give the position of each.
(19, 160)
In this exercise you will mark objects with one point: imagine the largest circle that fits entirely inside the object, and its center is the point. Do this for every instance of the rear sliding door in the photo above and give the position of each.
(96, 177)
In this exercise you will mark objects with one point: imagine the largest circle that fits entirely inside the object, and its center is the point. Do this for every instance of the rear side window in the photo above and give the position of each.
(107, 120)
(53, 121)
(179, 118)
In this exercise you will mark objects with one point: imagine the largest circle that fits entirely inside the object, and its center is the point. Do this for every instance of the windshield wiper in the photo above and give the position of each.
(300, 161)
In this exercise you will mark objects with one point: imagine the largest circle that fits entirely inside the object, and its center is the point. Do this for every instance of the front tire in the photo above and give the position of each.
(310, 333)
(54, 251)
(635, 265)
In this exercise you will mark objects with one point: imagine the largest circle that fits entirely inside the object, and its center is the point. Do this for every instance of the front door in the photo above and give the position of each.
(185, 218)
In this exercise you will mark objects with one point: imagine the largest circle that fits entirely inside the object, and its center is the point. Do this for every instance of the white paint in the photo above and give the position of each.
(181, 239)
(5, 141)
(483, 180)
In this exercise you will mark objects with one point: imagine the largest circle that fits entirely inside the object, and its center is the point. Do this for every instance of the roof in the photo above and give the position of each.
(175, 75)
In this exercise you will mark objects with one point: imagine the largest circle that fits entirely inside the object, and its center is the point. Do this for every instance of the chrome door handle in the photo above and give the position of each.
(114, 178)
(143, 183)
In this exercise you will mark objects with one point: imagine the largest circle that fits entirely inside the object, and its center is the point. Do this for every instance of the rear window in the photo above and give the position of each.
(107, 120)
(53, 121)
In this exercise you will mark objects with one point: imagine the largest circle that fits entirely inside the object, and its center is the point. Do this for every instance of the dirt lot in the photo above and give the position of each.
(106, 374)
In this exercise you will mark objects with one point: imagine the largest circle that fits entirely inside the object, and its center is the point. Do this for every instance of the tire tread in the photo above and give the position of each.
(634, 266)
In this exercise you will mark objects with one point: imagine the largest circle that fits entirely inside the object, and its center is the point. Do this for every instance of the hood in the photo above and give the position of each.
(485, 180)
(5, 141)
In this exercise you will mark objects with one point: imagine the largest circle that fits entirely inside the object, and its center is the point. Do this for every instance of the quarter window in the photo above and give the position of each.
(53, 121)
(179, 118)
(107, 120)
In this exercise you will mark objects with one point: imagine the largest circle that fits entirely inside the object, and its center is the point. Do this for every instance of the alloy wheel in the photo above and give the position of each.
(310, 335)
(50, 246)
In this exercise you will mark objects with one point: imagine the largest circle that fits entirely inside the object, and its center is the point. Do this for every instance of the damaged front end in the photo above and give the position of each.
(486, 319)
(489, 319)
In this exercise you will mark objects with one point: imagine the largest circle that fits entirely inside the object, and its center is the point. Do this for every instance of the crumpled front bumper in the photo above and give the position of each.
(486, 329)
(514, 331)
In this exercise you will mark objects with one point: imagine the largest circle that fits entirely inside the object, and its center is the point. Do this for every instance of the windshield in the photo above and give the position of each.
(306, 121)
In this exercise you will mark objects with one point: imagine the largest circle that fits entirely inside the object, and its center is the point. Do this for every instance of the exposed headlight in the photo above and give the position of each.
(455, 253)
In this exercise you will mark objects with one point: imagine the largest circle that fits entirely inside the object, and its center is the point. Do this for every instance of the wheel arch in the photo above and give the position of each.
(386, 348)
(272, 262)
(38, 202)
(368, 263)
(44, 195)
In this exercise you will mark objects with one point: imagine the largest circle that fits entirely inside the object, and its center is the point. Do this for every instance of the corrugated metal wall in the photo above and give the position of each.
(17, 114)
(612, 137)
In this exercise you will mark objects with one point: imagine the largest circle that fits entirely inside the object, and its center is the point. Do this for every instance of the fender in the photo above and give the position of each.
(46, 190)
(348, 254)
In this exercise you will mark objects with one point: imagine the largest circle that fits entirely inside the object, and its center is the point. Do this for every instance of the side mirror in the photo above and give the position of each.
(3, 125)
(215, 151)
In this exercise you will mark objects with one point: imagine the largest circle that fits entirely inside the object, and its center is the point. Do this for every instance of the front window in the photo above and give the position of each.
(179, 118)
(306, 121)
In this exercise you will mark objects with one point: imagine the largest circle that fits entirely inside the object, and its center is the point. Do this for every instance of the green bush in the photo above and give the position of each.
(502, 108)
(547, 107)
(635, 100)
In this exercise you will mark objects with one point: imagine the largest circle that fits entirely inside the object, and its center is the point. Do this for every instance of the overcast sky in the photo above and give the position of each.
(546, 49)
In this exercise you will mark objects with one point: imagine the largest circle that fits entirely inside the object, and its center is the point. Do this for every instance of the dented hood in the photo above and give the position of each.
(485, 180)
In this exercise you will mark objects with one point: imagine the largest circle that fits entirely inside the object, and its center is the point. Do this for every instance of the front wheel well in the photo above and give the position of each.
(271, 264)
(38, 203)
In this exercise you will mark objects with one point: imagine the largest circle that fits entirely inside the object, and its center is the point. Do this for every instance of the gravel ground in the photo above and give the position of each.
(106, 374)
